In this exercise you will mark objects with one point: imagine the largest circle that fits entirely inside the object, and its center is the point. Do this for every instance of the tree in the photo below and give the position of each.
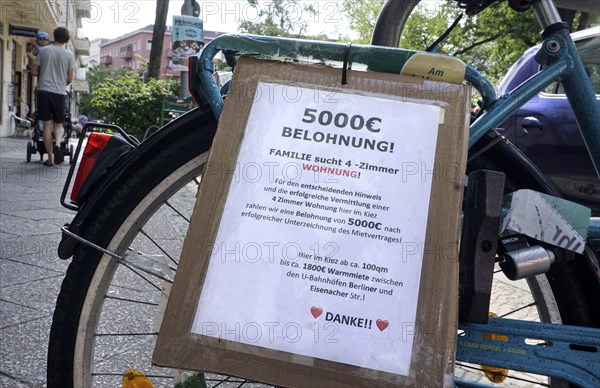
(425, 25)
(362, 15)
(158, 34)
(284, 18)
(128, 102)
(491, 41)
(493, 51)
(95, 77)
(490, 50)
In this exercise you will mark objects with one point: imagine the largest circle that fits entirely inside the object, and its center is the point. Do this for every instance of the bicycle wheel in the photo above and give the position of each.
(105, 312)
(108, 313)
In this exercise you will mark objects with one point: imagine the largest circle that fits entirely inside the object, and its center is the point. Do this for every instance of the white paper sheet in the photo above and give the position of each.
(320, 245)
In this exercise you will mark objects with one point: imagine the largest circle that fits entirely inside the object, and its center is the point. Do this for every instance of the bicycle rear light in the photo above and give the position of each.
(101, 152)
(93, 149)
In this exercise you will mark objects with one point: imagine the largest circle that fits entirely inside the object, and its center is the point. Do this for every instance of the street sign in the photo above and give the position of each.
(22, 31)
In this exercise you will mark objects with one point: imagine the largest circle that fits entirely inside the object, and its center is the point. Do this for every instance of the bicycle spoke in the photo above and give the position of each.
(146, 279)
(177, 211)
(479, 369)
(131, 300)
(229, 379)
(518, 309)
(142, 231)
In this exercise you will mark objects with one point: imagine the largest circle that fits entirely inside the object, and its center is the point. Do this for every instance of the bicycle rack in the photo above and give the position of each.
(89, 127)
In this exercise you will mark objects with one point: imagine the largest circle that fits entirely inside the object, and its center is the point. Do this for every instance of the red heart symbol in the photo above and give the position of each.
(382, 324)
(316, 311)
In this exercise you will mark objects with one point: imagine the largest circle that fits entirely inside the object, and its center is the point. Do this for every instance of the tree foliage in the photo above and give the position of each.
(491, 41)
(96, 76)
(125, 100)
(285, 18)
(363, 15)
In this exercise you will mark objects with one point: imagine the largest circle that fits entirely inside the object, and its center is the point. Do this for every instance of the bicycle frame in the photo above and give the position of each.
(559, 57)
(558, 52)
(570, 352)
(380, 59)
(562, 62)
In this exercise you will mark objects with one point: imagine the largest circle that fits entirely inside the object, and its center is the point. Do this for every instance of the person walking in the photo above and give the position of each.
(54, 66)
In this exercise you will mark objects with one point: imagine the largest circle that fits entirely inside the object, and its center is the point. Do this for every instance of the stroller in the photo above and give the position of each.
(36, 145)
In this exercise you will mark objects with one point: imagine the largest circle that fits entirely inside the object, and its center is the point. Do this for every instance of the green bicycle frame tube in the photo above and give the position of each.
(566, 66)
(380, 59)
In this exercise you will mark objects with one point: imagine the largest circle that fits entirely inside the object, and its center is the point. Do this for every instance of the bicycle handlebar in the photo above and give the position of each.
(377, 58)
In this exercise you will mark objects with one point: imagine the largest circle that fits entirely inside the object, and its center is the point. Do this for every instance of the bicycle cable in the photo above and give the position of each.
(433, 46)
(473, 7)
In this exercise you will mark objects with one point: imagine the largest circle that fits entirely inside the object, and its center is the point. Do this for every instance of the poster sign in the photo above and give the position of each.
(323, 245)
(188, 39)
(318, 231)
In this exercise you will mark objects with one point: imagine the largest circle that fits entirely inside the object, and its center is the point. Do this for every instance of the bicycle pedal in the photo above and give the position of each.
(135, 379)
(494, 374)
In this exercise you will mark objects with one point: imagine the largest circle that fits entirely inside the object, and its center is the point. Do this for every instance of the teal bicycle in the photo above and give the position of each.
(112, 299)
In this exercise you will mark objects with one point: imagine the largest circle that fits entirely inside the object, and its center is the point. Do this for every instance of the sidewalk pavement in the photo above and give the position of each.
(30, 271)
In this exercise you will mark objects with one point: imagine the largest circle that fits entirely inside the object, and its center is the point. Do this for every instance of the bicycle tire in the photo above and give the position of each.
(133, 187)
(159, 163)
(391, 21)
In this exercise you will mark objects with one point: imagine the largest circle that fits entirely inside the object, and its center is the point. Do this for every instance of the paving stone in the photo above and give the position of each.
(39, 294)
(7, 381)
(41, 214)
(23, 350)
(14, 273)
(12, 314)
(30, 245)
(18, 226)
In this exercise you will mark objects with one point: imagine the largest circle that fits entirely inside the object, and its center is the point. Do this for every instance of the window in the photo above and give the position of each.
(589, 51)
(149, 44)
(126, 47)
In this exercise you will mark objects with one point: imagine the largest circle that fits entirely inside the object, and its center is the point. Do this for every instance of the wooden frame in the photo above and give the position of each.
(432, 362)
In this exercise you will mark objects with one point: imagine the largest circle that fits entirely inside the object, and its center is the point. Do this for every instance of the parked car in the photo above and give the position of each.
(545, 128)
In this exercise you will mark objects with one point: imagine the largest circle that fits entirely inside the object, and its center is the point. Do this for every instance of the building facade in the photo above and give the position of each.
(19, 23)
(94, 57)
(132, 50)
